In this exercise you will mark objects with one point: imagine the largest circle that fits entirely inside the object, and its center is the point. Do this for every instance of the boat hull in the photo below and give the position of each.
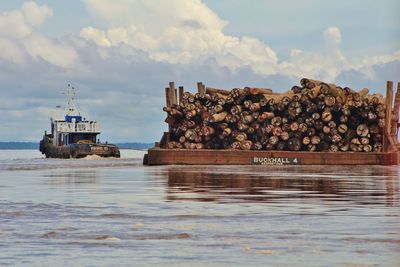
(77, 150)
(160, 156)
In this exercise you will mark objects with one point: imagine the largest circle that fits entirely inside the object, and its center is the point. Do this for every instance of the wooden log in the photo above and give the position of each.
(306, 140)
(279, 97)
(342, 128)
(246, 145)
(181, 90)
(326, 116)
(294, 126)
(329, 101)
(207, 131)
(237, 109)
(309, 83)
(258, 91)
(241, 136)
(167, 97)
(255, 107)
(395, 113)
(273, 140)
(276, 121)
(173, 94)
(242, 126)
(191, 134)
(201, 88)
(333, 148)
(376, 99)
(363, 92)
(315, 139)
(344, 146)
(294, 144)
(285, 136)
(303, 127)
(210, 90)
(218, 117)
(389, 103)
(313, 92)
(313, 112)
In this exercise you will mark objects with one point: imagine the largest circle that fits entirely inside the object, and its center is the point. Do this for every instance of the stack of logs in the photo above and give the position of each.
(314, 116)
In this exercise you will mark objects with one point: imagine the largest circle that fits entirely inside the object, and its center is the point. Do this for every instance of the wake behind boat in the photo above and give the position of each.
(73, 136)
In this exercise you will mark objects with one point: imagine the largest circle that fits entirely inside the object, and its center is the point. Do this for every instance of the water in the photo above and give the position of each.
(115, 212)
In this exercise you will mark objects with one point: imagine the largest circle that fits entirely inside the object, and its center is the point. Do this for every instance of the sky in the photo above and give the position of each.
(121, 54)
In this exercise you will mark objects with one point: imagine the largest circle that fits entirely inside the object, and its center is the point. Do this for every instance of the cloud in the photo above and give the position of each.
(188, 32)
(56, 53)
(13, 25)
(177, 32)
(35, 14)
(21, 39)
(97, 36)
(9, 51)
(324, 64)
(332, 35)
(121, 69)
(156, 15)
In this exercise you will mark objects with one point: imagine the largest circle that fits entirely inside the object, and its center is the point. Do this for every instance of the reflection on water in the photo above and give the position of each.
(73, 177)
(365, 185)
(33, 160)
(109, 213)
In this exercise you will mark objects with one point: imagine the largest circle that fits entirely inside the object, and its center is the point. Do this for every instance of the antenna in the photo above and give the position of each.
(70, 94)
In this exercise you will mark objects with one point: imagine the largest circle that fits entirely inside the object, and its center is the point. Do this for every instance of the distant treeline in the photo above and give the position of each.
(33, 145)
(135, 145)
(19, 145)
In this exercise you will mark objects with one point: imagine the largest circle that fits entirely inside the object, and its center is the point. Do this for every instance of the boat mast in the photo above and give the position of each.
(70, 106)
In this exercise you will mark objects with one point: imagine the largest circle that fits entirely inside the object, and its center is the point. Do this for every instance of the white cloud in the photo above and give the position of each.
(18, 23)
(13, 25)
(332, 35)
(324, 64)
(97, 36)
(156, 15)
(39, 46)
(373, 60)
(35, 14)
(188, 32)
(20, 38)
(10, 52)
(177, 32)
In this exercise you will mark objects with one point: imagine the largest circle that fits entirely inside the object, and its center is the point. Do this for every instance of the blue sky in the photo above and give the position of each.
(121, 54)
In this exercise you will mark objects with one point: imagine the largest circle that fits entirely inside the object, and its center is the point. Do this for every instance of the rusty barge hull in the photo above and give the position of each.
(160, 156)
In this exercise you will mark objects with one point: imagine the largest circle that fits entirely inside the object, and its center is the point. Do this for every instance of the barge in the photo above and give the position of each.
(388, 154)
(73, 136)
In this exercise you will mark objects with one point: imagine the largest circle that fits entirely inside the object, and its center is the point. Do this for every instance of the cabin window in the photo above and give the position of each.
(81, 127)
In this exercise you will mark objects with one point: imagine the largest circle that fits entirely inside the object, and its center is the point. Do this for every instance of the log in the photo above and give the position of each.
(181, 90)
(258, 91)
(210, 90)
(218, 117)
(315, 117)
(173, 94)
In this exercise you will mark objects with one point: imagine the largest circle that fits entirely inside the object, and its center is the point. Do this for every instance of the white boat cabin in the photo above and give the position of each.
(73, 127)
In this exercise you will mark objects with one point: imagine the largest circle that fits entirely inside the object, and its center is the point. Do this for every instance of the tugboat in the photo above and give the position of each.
(73, 136)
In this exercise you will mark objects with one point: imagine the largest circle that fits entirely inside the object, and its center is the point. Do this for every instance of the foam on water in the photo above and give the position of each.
(33, 160)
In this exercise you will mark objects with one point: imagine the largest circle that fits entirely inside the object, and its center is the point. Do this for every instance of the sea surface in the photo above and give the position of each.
(116, 212)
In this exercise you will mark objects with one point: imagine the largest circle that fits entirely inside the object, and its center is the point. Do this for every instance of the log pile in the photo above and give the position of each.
(314, 116)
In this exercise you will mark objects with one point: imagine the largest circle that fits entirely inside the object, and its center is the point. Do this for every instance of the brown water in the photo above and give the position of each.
(119, 213)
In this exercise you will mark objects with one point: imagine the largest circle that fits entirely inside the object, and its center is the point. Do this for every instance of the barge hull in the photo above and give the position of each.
(161, 156)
